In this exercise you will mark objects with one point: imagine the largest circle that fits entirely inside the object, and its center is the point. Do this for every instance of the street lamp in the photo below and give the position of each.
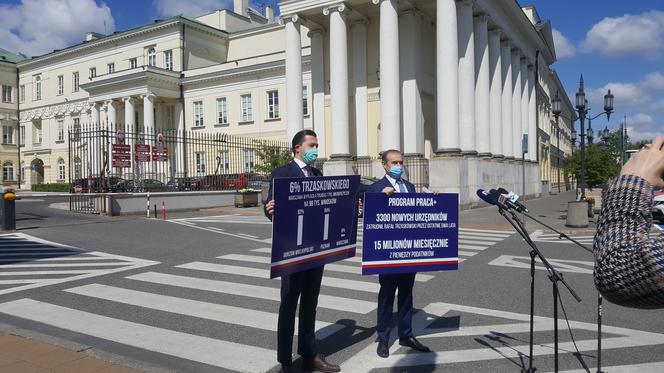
(582, 108)
(557, 110)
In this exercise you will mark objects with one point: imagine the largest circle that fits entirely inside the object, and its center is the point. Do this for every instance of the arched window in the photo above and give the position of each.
(61, 169)
(78, 168)
(8, 171)
(152, 57)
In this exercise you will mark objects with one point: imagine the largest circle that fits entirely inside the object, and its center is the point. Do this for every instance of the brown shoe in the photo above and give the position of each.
(318, 364)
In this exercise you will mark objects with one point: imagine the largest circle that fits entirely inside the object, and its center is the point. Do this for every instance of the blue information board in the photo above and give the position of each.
(410, 232)
(314, 223)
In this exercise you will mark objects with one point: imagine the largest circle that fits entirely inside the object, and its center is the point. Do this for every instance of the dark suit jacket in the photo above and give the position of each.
(292, 169)
(383, 183)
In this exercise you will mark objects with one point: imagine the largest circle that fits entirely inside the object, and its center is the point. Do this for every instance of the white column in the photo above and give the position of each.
(466, 77)
(410, 52)
(318, 88)
(506, 96)
(390, 103)
(447, 78)
(359, 37)
(339, 80)
(516, 102)
(532, 113)
(148, 113)
(482, 86)
(130, 127)
(495, 94)
(179, 161)
(94, 114)
(111, 114)
(524, 101)
(294, 122)
(93, 143)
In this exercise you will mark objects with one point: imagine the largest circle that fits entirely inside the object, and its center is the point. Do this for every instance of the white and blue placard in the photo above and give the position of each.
(314, 223)
(410, 232)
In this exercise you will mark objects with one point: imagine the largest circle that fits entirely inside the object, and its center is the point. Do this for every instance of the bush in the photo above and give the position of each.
(55, 187)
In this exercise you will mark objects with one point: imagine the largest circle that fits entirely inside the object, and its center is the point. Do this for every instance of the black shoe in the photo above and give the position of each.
(287, 368)
(414, 344)
(383, 349)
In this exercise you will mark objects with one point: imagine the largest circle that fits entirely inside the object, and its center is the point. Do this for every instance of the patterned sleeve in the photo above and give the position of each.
(629, 264)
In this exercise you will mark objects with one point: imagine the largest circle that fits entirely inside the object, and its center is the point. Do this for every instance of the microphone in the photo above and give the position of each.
(514, 198)
(503, 199)
(490, 198)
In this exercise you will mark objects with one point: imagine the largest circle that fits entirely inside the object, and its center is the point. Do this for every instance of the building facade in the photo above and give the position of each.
(454, 83)
(9, 117)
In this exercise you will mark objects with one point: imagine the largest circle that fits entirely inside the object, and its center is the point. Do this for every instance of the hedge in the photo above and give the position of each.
(55, 187)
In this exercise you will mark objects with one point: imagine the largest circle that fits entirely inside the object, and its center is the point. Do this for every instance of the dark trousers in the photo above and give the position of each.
(304, 285)
(388, 286)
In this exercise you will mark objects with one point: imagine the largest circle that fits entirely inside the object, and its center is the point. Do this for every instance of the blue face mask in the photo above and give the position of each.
(396, 172)
(310, 156)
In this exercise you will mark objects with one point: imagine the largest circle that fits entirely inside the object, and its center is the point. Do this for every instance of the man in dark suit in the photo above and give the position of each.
(394, 183)
(303, 285)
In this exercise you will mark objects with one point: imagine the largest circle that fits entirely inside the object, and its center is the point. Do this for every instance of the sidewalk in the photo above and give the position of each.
(24, 355)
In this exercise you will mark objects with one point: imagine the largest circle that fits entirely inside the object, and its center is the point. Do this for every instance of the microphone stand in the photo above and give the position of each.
(554, 276)
(599, 296)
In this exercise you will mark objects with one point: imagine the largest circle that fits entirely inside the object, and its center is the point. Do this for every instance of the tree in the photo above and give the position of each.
(272, 157)
(612, 142)
(601, 165)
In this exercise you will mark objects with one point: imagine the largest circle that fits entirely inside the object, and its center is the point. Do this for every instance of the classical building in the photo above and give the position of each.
(454, 84)
(9, 117)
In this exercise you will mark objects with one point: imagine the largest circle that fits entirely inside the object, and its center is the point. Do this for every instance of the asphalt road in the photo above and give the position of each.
(192, 294)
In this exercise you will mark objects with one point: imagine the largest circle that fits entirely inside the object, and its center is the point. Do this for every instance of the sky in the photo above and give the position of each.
(615, 44)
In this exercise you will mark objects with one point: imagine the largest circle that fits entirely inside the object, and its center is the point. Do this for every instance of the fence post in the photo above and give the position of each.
(148, 205)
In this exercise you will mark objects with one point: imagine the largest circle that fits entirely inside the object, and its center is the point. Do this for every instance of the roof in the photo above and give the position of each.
(7, 56)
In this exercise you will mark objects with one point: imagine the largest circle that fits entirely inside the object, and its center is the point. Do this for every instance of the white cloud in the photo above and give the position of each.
(564, 48)
(654, 81)
(642, 33)
(36, 27)
(169, 8)
(640, 119)
(625, 94)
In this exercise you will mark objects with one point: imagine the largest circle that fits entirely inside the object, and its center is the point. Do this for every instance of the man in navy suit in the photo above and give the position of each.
(304, 285)
(394, 183)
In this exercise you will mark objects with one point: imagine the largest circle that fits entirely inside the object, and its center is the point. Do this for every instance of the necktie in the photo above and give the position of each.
(308, 171)
(402, 187)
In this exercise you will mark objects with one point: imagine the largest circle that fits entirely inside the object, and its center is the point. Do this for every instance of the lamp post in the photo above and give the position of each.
(557, 110)
(582, 109)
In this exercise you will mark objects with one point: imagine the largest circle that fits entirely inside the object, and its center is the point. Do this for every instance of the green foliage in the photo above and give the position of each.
(272, 157)
(54, 187)
(601, 164)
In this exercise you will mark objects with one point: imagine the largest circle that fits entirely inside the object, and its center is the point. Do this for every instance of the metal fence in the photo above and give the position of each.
(107, 158)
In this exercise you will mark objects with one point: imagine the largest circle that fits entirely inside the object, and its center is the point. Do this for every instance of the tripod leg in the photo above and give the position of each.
(532, 309)
(599, 334)
(555, 325)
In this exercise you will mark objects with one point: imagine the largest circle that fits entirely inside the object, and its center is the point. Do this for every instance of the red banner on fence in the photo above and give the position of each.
(159, 153)
(121, 155)
(142, 153)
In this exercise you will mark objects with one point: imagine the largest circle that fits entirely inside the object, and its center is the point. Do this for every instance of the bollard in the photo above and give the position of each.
(155, 210)
(8, 210)
(147, 214)
(577, 214)
(163, 210)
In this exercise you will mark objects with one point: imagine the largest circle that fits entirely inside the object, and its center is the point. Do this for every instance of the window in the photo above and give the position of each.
(168, 60)
(61, 130)
(78, 168)
(305, 101)
(200, 164)
(223, 162)
(273, 104)
(6, 93)
(7, 134)
(222, 112)
(198, 114)
(22, 135)
(247, 115)
(152, 57)
(110, 68)
(93, 72)
(249, 160)
(21, 92)
(21, 171)
(61, 85)
(75, 80)
(37, 138)
(133, 63)
(38, 88)
(61, 169)
(77, 129)
(8, 171)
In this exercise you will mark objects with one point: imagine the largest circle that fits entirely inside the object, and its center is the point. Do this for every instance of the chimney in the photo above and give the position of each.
(269, 14)
(89, 36)
(241, 7)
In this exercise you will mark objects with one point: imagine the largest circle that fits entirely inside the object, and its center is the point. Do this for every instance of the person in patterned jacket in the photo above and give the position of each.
(629, 263)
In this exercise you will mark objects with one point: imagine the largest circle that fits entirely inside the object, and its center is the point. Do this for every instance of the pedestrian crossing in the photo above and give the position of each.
(541, 236)
(28, 262)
